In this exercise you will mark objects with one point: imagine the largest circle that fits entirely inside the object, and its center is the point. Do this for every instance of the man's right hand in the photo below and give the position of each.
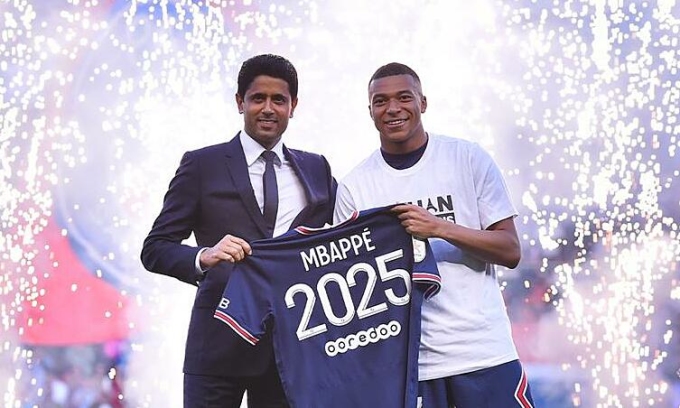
(230, 249)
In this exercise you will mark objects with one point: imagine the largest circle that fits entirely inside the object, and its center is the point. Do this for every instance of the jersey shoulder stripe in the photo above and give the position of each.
(245, 334)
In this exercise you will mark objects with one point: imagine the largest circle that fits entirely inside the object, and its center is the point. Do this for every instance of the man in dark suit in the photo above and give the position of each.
(223, 194)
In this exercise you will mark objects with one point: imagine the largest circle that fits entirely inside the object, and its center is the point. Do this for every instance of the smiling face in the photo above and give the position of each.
(396, 105)
(266, 105)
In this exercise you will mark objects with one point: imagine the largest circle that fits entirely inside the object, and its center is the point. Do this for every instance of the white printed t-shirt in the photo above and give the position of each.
(466, 327)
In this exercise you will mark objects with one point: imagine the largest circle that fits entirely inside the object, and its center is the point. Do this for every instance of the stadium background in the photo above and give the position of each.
(578, 101)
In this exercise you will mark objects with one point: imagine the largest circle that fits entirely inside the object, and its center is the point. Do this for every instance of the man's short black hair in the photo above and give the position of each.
(392, 69)
(271, 65)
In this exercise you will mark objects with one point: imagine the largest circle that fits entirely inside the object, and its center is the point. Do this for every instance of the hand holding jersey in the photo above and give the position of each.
(418, 222)
(228, 249)
(497, 244)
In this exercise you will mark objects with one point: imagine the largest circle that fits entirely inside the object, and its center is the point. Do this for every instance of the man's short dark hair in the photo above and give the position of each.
(392, 69)
(271, 65)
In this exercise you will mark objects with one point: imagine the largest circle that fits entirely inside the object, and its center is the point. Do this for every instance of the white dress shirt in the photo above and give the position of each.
(291, 192)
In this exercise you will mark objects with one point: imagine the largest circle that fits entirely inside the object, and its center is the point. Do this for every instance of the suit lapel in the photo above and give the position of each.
(302, 169)
(238, 170)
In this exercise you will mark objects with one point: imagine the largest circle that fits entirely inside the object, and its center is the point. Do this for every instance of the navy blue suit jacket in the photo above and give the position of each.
(211, 196)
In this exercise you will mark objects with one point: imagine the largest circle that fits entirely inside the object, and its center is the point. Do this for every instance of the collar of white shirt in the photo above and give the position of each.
(253, 150)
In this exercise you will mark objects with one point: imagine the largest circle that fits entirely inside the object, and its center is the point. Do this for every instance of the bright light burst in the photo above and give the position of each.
(578, 100)
(604, 75)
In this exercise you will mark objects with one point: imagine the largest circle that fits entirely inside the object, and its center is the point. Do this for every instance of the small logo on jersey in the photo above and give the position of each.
(419, 250)
(362, 338)
(419, 402)
(224, 303)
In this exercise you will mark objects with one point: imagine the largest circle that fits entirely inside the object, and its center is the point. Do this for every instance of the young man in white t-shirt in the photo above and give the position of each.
(458, 200)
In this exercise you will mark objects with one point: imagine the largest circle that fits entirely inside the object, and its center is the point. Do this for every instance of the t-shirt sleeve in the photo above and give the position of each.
(245, 303)
(493, 195)
(425, 269)
(344, 204)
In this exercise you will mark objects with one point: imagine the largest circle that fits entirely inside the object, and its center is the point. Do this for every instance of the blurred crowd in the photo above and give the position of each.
(77, 376)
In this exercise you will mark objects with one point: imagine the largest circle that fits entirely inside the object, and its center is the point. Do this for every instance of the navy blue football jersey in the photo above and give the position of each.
(343, 306)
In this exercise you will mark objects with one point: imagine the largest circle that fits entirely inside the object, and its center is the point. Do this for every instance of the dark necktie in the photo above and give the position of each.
(271, 193)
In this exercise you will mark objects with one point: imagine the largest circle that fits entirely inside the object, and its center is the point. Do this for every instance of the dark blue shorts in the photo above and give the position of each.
(504, 386)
